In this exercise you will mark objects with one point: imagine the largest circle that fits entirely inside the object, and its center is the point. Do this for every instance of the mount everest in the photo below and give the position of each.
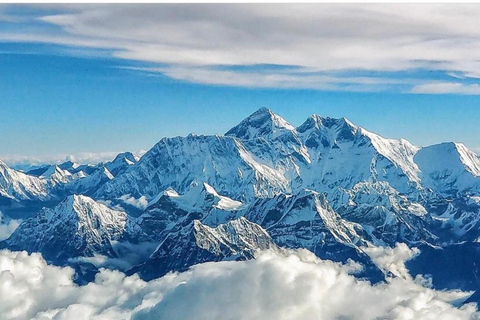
(328, 186)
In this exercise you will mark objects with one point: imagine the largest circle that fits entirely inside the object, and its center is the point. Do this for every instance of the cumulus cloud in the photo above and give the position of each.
(191, 40)
(7, 226)
(296, 285)
(140, 203)
(392, 259)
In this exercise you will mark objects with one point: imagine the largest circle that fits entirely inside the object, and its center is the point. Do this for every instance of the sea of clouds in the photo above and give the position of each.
(294, 285)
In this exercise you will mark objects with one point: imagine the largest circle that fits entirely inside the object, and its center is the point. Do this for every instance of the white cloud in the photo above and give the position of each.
(140, 203)
(7, 226)
(392, 259)
(25, 162)
(318, 37)
(295, 286)
(447, 88)
(288, 79)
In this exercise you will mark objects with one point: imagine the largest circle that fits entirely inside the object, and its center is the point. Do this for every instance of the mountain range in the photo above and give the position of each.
(328, 186)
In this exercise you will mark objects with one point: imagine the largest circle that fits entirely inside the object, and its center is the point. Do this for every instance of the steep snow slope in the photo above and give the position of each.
(234, 240)
(89, 184)
(449, 168)
(386, 215)
(305, 220)
(78, 226)
(262, 123)
(264, 156)
(208, 197)
(20, 186)
(169, 212)
(178, 162)
(343, 154)
(121, 163)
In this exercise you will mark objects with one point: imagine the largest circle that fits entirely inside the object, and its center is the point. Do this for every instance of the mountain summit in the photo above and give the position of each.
(262, 123)
(328, 185)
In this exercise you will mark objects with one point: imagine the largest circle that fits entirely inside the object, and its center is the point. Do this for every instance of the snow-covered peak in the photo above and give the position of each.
(87, 184)
(196, 242)
(69, 165)
(50, 171)
(343, 154)
(448, 155)
(222, 162)
(236, 237)
(77, 226)
(261, 123)
(127, 156)
(170, 192)
(204, 195)
(318, 122)
(469, 159)
(400, 152)
(121, 163)
(20, 186)
(57, 175)
(319, 132)
(85, 208)
(448, 167)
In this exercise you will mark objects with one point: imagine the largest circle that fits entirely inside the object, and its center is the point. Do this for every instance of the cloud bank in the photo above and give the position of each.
(297, 285)
(23, 162)
(314, 46)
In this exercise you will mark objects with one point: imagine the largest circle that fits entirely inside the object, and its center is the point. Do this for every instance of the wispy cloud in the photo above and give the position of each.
(447, 88)
(285, 79)
(322, 37)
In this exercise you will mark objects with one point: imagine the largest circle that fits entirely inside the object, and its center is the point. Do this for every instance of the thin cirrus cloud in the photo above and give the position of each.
(448, 87)
(294, 285)
(316, 38)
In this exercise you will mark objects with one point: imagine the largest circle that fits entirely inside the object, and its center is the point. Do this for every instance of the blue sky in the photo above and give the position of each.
(90, 80)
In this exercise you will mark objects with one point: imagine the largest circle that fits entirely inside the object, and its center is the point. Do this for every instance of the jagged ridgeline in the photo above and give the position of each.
(328, 186)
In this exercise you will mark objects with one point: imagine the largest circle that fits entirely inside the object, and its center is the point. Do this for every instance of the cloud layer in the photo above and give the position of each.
(22, 162)
(323, 43)
(295, 286)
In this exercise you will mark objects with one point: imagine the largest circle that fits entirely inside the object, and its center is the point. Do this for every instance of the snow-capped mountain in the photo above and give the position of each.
(363, 175)
(48, 185)
(327, 185)
(18, 185)
(121, 163)
(87, 184)
(265, 155)
(235, 240)
(78, 226)
(170, 212)
(449, 168)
